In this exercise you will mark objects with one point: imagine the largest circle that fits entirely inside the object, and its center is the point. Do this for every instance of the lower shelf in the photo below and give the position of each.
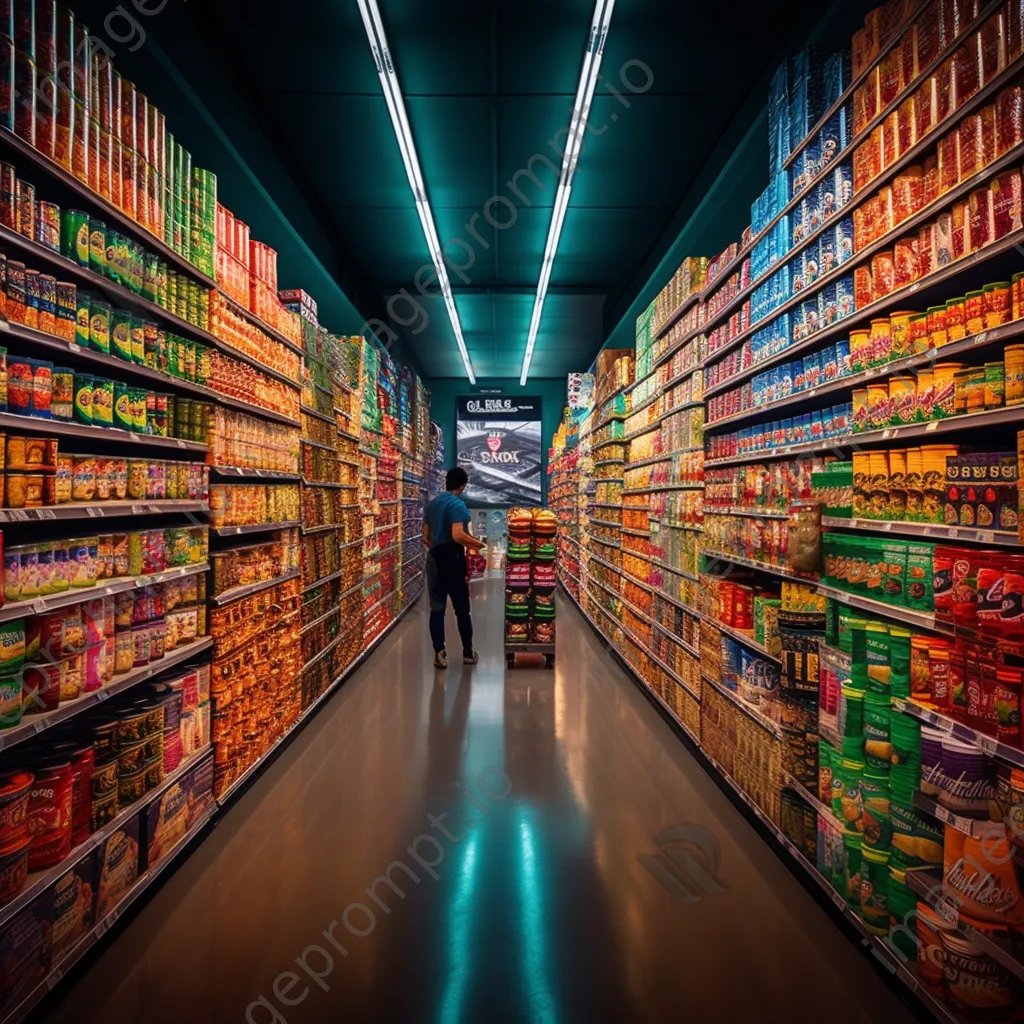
(890, 959)
(146, 880)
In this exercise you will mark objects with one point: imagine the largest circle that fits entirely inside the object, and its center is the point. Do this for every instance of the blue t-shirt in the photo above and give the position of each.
(443, 511)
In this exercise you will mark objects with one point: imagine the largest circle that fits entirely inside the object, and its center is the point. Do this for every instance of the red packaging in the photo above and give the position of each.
(990, 594)
(927, 35)
(862, 287)
(927, 260)
(992, 44)
(908, 55)
(883, 275)
(1014, 29)
(49, 811)
(959, 237)
(948, 159)
(884, 214)
(906, 125)
(905, 261)
(967, 70)
(930, 181)
(1005, 192)
(82, 764)
(925, 100)
(945, 91)
(979, 219)
(865, 102)
(971, 155)
(1009, 119)
(890, 140)
(907, 194)
(890, 78)
(860, 51)
(1011, 617)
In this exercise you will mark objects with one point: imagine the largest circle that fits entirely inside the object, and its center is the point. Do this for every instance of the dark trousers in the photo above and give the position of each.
(446, 579)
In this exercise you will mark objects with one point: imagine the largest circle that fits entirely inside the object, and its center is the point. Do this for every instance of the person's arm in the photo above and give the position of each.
(460, 536)
(426, 536)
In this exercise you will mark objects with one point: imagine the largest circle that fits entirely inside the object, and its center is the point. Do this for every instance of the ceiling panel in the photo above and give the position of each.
(488, 87)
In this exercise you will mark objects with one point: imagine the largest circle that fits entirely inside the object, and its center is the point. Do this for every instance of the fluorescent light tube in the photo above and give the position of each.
(589, 75)
(403, 134)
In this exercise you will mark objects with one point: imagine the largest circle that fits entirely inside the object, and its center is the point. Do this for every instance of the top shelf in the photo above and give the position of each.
(117, 217)
(111, 213)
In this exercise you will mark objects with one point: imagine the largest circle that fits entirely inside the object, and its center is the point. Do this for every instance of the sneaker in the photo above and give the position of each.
(470, 659)
(441, 659)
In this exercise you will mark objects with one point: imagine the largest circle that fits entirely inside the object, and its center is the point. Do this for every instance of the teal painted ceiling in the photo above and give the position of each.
(291, 95)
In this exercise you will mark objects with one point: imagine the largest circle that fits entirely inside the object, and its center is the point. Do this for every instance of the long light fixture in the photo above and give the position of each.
(574, 143)
(396, 108)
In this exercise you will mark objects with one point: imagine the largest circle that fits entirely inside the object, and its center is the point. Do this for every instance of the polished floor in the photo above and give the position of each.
(511, 810)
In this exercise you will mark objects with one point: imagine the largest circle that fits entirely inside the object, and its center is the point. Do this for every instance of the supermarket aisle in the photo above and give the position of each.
(521, 899)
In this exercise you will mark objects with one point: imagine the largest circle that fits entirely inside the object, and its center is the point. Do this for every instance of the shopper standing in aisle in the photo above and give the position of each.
(446, 536)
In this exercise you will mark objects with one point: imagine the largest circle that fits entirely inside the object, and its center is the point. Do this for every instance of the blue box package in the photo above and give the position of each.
(817, 426)
(828, 363)
(827, 305)
(803, 426)
(844, 240)
(827, 422)
(827, 261)
(843, 184)
(835, 77)
(833, 138)
(805, 167)
(845, 303)
(811, 263)
(812, 369)
(782, 332)
(785, 380)
(811, 311)
(843, 367)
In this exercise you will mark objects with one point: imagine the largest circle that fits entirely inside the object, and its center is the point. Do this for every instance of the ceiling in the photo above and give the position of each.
(488, 86)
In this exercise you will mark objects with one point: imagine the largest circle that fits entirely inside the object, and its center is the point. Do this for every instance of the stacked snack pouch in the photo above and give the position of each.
(52, 659)
(545, 526)
(518, 576)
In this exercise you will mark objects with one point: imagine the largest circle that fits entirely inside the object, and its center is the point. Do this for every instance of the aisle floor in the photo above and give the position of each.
(536, 905)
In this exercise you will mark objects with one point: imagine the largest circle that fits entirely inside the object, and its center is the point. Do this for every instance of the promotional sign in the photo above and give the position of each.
(498, 441)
